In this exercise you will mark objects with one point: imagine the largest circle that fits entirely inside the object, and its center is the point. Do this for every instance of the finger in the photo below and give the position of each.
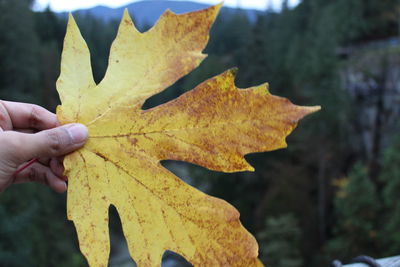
(49, 143)
(41, 174)
(24, 116)
(57, 168)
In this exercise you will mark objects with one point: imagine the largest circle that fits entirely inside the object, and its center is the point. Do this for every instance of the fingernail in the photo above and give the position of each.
(78, 133)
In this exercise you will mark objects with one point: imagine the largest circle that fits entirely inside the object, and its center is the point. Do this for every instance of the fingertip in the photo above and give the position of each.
(78, 133)
(55, 182)
(50, 121)
(57, 123)
(59, 186)
(42, 119)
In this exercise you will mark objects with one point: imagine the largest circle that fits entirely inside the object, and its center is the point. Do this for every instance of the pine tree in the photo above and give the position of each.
(280, 242)
(19, 61)
(390, 176)
(357, 209)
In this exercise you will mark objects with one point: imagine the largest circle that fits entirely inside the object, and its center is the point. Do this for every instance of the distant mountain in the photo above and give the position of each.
(147, 12)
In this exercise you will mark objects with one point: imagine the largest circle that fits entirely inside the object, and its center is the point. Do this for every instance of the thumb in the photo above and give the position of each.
(49, 143)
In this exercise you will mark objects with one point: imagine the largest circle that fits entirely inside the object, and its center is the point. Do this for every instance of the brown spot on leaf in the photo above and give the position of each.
(133, 141)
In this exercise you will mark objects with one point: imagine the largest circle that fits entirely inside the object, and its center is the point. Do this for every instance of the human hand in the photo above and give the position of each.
(31, 132)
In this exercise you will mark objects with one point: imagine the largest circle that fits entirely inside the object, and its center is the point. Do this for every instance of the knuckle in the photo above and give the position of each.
(34, 117)
(55, 142)
(4, 117)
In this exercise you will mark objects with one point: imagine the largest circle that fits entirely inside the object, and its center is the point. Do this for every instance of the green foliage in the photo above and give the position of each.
(381, 18)
(19, 61)
(357, 209)
(34, 230)
(367, 219)
(280, 242)
(390, 176)
(357, 205)
(16, 243)
(236, 31)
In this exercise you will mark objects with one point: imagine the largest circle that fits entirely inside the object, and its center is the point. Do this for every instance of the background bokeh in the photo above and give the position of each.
(332, 194)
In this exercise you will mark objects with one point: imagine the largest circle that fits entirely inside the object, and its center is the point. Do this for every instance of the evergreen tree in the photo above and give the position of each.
(357, 210)
(280, 242)
(19, 61)
(390, 176)
(50, 30)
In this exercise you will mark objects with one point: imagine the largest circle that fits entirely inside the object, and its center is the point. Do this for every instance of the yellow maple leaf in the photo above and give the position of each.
(214, 126)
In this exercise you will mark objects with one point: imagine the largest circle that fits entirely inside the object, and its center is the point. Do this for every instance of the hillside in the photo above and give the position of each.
(147, 12)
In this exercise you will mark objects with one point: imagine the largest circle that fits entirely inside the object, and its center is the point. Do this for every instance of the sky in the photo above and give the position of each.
(62, 5)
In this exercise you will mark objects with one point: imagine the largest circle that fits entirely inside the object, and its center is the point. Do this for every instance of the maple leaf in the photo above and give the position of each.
(213, 125)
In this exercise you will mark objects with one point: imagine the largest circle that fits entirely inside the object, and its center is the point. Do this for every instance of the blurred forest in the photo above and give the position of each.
(332, 194)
